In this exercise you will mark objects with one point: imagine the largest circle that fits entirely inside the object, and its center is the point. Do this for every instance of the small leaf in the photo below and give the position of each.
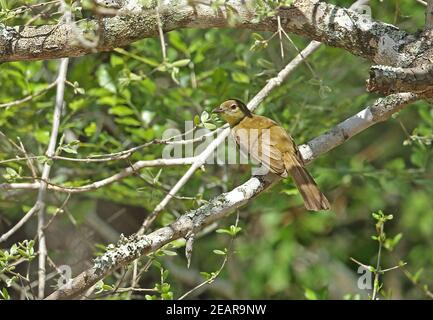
(121, 111)
(240, 77)
(105, 80)
(219, 252)
(196, 119)
(107, 287)
(417, 275)
(68, 149)
(90, 129)
(181, 63)
(206, 275)
(257, 36)
(310, 294)
(210, 126)
(128, 121)
(167, 296)
(42, 136)
(5, 294)
(223, 231)
(204, 116)
(169, 252)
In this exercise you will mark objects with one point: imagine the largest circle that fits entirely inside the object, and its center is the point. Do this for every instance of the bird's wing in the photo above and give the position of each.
(257, 143)
(285, 143)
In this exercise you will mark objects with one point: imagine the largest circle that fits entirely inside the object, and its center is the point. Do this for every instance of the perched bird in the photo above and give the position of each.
(269, 144)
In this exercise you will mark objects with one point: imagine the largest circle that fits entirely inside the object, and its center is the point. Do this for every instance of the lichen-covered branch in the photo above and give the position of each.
(387, 80)
(132, 169)
(379, 111)
(320, 21)
(128, 250)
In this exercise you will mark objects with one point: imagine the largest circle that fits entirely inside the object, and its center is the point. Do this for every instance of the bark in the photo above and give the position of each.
(339, 27)
(387, 80)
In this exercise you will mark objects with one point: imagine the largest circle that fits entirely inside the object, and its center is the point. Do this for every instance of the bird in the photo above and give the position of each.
(269, 144)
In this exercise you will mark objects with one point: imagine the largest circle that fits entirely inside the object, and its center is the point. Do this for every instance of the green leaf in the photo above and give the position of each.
(223, 231)
(310, 294)
(204, 116)
(128, 121)
(90, 129)
(219, 252)
(240, 77)
(206, 275)
(145, 60)
(165, 287)
(177, 42)
(181, 63)
(69, 149)
(107, 287)
(167, 296)
(235, 230)
(210, 126)
(77, 104)
(5, 294)
(12, 172)
(257, 36)
(115, 60)
(290, 192)
(417, 275)
(3, 4)
(105, 80)
(169, 252)
(42, 136)
(121, 111)
(196, 120)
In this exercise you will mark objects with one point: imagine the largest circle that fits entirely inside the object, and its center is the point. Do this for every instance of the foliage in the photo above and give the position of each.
(124, 98)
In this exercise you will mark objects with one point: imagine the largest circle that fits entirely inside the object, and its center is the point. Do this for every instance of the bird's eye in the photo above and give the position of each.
(233, 106)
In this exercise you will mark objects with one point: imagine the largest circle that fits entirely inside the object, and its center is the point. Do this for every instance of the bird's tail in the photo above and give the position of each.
(314, 199)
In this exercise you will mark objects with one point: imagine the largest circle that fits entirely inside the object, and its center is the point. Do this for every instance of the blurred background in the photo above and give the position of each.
(120, 99)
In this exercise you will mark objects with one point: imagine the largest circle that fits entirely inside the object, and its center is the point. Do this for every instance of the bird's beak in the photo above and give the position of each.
(217, 110)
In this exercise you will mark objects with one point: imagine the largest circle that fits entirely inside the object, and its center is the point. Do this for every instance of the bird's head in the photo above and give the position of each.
(233, 111)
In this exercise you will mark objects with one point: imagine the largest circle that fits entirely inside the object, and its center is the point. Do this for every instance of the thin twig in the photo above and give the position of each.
(161, 34)
(20, 223)
(280, 36)
(46, 172)
(29, 97)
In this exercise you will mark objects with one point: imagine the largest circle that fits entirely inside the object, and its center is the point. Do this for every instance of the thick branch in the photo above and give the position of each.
(316, 20)
(390, 79)
(128, 250)
(379, 111)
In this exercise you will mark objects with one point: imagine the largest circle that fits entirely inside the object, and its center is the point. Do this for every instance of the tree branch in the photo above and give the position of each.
(104, 182)
(391, 79)
(316, 20)
(40, 202)
(379, 111)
